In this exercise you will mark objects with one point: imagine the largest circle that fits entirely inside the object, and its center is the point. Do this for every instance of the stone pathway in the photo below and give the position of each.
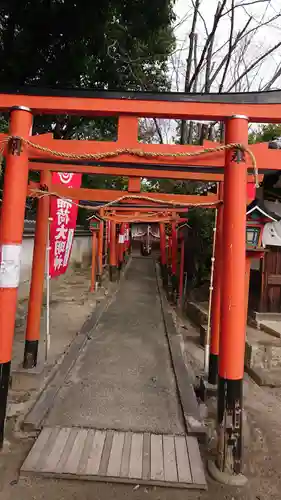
(123, 379)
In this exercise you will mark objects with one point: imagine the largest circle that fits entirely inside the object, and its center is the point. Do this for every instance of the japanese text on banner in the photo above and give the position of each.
(64, 216)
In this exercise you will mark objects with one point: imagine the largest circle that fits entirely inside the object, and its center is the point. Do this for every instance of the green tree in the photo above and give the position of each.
(110, 45)
(113, 44)
(265, 133)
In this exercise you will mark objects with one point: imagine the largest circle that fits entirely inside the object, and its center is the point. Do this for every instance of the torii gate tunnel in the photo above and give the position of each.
(231, 163)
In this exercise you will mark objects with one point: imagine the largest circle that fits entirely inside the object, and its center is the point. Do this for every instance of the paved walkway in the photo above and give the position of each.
(124, 380)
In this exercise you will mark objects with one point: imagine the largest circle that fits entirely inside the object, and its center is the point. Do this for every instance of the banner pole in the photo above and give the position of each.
(208, 334)
(48, 279)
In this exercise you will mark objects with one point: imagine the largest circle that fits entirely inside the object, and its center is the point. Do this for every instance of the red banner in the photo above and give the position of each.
(64, 216)
(251, 191)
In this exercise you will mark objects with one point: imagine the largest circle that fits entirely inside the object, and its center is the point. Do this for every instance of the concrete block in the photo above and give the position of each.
(264, 377)
(196, 314)
(28, 379)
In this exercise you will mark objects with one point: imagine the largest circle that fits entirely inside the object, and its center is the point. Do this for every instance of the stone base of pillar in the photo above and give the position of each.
(30, 354)
(5, 369)
(237, 480)
(164, 273)
(229, 429)
(113, 273)
(173, 288)
(213, 369)
(205, 390)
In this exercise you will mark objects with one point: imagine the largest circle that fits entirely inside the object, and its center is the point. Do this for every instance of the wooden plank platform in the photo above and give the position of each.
(111, 456)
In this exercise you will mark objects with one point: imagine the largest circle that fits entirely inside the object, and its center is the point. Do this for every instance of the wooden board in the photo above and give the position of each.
(125, 457)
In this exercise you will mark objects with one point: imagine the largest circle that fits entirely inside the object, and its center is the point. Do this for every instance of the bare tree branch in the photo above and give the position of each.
(244, 34)
(207, 43)
(158, 130)
(254, 64)
(273, 79)
(234, 45)
(189, 66)
(230, 47)
(201, 17)
(246, 4)
(209, 66)
(241, 35)
(195, 60)
(190, 132)
(191, 45)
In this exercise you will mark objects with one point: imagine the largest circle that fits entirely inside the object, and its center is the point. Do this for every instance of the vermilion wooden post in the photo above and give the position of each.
(106, 240)
(180, 299)
(174, 255)
(163, 256)
(100, 251)
(94, 262)
(11, 231)
(233, 329)
(247, 286)
(113, 271)
(216, 296)
(130, 240)
(121, 245)
(169, 251)
(124, 241)
(32, 334)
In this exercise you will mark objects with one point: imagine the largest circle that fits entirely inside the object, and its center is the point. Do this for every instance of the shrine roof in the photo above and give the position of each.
(268, 97)
(264, 211)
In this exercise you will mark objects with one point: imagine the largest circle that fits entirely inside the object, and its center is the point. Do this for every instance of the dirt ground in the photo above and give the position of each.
(262, 428)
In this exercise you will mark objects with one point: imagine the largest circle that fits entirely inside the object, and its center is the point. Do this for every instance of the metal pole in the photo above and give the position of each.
(48, 280)
(208, 333)
(216, 297)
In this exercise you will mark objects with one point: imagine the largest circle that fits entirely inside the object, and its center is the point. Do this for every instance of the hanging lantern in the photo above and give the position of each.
(257, 217)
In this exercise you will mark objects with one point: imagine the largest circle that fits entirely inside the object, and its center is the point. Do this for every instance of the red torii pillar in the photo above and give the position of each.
(113, 269)
(100, 250)
(181, 276)
(163, 253)
(35, 302)
(121, 245)
(228, 466)
(94, 261)
(174, 256)
(11, 231)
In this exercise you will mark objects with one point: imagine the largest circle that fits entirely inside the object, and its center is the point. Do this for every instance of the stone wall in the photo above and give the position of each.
(80, 255)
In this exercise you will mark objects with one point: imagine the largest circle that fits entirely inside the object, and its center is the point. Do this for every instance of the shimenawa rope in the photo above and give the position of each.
(133, 152)
(138, 152)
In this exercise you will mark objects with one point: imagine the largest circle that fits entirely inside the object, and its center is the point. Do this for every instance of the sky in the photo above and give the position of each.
(263, 39)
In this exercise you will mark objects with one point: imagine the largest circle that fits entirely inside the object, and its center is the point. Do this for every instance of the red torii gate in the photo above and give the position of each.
(124, 215)
(236, 110)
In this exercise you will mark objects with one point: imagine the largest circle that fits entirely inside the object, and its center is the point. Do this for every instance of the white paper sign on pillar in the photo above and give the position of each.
(10, 266)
